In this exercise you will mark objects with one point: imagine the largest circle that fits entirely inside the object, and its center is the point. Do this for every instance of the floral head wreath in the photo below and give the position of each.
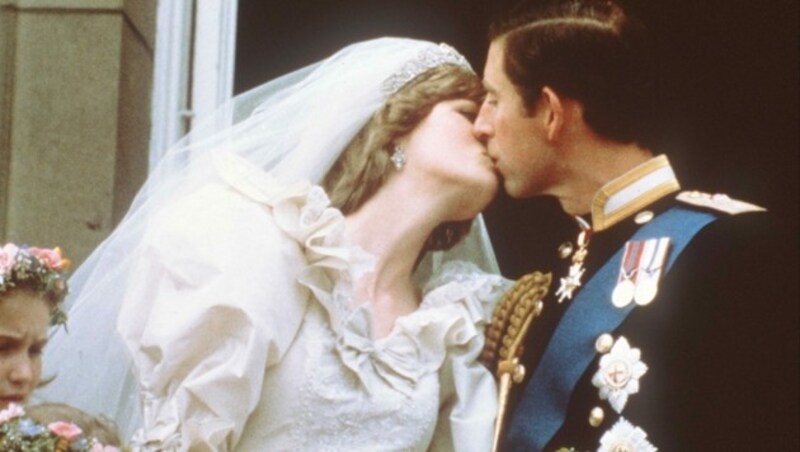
(40, 269)
(19, 432)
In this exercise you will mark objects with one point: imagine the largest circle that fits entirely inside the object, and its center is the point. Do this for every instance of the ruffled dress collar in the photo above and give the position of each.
(452, 312)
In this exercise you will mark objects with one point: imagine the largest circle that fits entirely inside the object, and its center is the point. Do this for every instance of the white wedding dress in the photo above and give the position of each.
(217, 316)
(245, 336)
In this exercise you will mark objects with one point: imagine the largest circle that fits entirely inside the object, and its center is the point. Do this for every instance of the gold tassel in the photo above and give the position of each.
(511, 321)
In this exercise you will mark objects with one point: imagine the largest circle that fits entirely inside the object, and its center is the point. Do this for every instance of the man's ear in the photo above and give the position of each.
(555, 114)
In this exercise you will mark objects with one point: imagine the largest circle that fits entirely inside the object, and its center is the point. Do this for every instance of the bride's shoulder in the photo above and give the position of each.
(209, 215)
(244, 211)
(455, 280)
(462, 272)
(257, 185)
(238, 197)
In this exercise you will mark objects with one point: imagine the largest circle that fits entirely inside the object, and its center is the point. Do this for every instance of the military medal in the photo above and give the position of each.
(655, 253)
(572, 281)
(645, 292)
(625, 289)
(623, 293)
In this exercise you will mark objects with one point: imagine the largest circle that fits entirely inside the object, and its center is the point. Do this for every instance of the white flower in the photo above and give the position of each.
(625, 437)
(11, 412)
(619, 373)
(8, 256)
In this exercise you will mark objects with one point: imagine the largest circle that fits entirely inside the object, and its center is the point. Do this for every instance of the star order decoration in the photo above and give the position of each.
(570, 283)
(619, 373)
(625, 437)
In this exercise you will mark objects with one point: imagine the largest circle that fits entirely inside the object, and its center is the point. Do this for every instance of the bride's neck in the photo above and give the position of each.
(394, 231)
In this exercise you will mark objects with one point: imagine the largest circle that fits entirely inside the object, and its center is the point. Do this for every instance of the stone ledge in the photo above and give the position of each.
(104, 5)
(141, 20)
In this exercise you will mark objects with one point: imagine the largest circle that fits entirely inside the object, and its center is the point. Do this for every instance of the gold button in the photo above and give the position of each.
(564, 250)
(537, 308)
(519, 374)
(604, 343)
(643, 217)
(596, 416)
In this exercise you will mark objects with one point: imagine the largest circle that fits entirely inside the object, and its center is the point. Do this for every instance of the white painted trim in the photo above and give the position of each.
(195, 47)
(214, 55)
(171, 75)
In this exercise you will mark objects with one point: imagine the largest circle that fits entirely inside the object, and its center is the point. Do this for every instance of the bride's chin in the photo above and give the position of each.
(486, 193)
(473, 206)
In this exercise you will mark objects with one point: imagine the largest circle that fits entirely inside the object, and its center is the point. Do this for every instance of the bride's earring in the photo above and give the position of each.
(398, 158)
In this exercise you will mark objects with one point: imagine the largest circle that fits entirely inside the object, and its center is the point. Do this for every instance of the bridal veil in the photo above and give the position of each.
(293, 127)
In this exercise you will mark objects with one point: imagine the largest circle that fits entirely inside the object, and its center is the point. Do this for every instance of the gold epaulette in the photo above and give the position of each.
(511, 322)
(719, 202)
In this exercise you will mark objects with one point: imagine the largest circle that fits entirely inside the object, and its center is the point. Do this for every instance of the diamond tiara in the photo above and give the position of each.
(427, 59)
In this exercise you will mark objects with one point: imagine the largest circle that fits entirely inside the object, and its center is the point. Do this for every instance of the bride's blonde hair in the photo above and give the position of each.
(365, 164)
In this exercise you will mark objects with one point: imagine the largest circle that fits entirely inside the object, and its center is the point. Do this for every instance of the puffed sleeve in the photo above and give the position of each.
(468, 389)
(212, 304)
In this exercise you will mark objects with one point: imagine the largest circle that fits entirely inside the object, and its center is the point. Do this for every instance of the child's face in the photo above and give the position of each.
(24, 320)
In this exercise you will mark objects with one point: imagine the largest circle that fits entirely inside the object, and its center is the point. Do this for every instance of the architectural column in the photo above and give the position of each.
(75, 89)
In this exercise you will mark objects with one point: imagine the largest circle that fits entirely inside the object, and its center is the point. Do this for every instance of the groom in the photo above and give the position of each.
(631, 352)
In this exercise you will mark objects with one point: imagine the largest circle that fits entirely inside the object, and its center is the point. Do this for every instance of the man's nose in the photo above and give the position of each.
(482, 128)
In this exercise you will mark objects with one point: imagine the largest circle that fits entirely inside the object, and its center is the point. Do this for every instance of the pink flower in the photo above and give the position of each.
(97, 447)
(8, 257)
(51, 258)
(66, 430)
(11, 412)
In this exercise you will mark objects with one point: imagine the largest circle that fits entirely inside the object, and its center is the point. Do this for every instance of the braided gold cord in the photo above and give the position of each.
(510, 324)
(500, 317)
(517, 306)
(528, 307)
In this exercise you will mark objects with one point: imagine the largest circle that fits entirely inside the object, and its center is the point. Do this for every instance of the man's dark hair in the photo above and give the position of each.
(587, 50)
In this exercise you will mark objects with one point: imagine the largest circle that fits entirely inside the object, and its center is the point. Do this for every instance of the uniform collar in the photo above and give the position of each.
(631, 192)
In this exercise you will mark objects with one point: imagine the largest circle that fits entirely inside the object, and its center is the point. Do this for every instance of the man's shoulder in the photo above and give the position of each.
(717, 202)
(737, 224)
(740, 227)
(742, 237)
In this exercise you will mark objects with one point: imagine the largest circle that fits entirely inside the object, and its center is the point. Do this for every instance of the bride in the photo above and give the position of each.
(307, 269)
